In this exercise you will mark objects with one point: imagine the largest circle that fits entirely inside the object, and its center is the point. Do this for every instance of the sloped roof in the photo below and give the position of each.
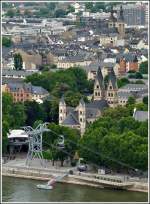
(98, 104)
(71, 119)
(99, 77)
(39, 90)
(112, 78)
(141, 115)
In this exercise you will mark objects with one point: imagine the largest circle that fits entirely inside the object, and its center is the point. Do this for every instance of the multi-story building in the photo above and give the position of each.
(86, 113)
(127, 62)
(22, 92)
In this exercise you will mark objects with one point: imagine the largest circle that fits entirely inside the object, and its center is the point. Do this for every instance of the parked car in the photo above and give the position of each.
(81, 165)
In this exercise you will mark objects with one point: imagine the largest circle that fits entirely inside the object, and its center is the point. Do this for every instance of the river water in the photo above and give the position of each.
(24, 190)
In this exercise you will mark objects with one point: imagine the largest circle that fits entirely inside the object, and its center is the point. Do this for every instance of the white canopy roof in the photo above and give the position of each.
(17, 134)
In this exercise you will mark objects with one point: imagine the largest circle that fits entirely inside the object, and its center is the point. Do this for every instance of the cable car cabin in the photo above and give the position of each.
(60, 144)
(18, 140)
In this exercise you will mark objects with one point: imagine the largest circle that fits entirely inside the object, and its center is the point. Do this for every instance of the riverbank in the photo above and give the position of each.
(45, 174)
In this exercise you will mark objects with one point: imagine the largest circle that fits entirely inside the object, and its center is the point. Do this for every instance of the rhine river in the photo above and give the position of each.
(24, 190)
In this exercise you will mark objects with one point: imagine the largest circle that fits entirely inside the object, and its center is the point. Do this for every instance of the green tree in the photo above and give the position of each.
(6, 42)
(70, 9)
(89, 5)
(50, 141)
(138, 75)
(145, 100)
(131, 100)
(18, 62)
(144, 67)
(114, 138)
(10, 13)
(34, 112)
(60, 13)
(122, 82)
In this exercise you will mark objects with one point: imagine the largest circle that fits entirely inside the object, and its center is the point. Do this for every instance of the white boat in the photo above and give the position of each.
(46, 187)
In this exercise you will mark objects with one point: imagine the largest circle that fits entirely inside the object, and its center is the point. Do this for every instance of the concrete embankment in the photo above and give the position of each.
(46, 174)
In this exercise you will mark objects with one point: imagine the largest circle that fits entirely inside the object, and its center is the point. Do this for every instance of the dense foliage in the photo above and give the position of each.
(72, 83)
(116, 140)
(51, 143)
(144, 67)
(6, 42)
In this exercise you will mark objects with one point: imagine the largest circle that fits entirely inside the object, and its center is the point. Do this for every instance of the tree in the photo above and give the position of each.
(18, 62)
(138, 75)
(10, 13)
(144, 67)
(89, 5)
(58, 83)
(131, 100)
(34, 112)
(122, 82)
(70, 9)
(145, 100)
(114, 138)
(50, 141)
(60, 13)
(6, 42)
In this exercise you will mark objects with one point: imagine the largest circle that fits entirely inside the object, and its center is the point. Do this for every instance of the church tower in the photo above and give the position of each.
(112, 20)
(62, 110)
(112, 89)
(99, 87)
(82, 116)
(121, 24)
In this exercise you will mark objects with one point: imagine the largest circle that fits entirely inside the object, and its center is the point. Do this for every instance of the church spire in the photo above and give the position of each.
(121, 16)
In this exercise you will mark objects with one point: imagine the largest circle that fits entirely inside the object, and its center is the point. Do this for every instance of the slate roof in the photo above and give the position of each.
(125, 95)
(141, 115)
(99, 77)
(14, 87)
(129, 57)
(112, 78)
(39, 90)
(71, 119)
(97, 104)
(134, 87)
(91, 113)
(92, 110)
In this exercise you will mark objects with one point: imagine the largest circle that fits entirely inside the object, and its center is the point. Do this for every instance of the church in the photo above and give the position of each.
(104, 96)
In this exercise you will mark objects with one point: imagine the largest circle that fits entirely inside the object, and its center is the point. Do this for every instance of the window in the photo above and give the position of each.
(108, 94)
(97, 86)
(80, 119)
(98, 93)
(110, 87)
(21, 95)
(95, 93)
(81, 112)
(60, 118)
(61, 110)
(111, 94)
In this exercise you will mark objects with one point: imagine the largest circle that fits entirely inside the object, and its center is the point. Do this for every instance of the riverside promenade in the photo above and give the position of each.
(17, 168)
